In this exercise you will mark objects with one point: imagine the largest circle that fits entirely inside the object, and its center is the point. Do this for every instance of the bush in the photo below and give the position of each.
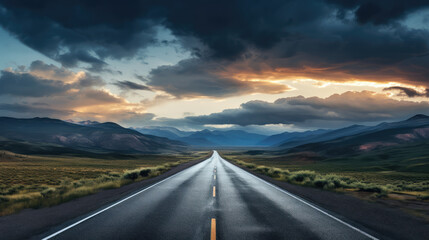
(320, 183)
(302, 176)
(262, 169)
(131, 175)
(145, 172)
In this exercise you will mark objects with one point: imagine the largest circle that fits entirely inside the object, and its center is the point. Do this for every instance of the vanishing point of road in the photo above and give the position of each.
(211, 200)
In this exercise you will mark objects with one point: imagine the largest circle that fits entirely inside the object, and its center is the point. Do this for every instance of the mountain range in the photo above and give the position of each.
(288, 140)
(414, 130)
(208, 138)
(45, 135)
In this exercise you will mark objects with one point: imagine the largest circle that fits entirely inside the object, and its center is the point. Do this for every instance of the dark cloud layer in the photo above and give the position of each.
(347, 107)
(80, 31)
(27, 85)
(327, 39)
(380, 11)
(194, 78)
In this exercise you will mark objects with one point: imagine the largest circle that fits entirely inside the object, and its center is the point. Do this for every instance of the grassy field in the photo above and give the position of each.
(385, 173)
(39, 181)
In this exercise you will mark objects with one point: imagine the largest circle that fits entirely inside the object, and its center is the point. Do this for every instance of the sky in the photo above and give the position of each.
(261, 66)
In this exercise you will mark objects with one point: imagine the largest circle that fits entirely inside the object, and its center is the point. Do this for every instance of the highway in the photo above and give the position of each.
(211, 200)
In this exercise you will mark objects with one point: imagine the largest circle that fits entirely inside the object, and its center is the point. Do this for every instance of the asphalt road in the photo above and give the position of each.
(213, 199)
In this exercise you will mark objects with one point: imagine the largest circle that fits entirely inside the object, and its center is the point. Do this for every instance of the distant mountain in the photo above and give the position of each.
(207, 137)
(278, 139)
(286, 140)
(93, 136)
(225, 138)
(324, 136)
(411, 131)
(168, 132)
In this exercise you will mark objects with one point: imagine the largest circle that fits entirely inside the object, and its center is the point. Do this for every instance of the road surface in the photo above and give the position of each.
(211, 200)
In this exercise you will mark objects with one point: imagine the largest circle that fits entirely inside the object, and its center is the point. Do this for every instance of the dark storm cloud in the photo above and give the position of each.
(409, 92)
(71, 59)
(194, 78)
(326, 39)
(347, 107)
(117, 29)
(27, 85)
(128, 85)
(80, 31)
(380, 11)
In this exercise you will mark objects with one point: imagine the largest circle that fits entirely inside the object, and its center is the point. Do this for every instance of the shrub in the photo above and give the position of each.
(262, 169)
(145, 172)
(320, 183)
(131, 175)
(302, 176)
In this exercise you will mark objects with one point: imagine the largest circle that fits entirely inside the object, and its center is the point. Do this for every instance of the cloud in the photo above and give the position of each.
(310, 39)
(31, 110)
(25, 84)
(42, 80)
(128, 85)
(409, 92)
(328, 40)
(79, 31)
(380, 12)
(192, 78)
(51, 91)
(348, 107)
(141, 78)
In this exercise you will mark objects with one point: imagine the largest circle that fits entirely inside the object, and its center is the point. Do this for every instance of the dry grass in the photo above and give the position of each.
(40, 181)
(343, 181)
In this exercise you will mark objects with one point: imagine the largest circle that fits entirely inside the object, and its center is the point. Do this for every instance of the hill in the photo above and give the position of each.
(414, 130)
(46, 135)
(290, 137)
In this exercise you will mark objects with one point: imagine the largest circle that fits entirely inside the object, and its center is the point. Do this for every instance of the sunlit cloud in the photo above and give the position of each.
(47, 90)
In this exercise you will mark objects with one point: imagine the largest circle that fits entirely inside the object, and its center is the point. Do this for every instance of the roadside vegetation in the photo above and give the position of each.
(338, 182)
(387, 175)
(41, 181)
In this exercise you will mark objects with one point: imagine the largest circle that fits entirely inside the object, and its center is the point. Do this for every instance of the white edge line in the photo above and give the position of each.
(107, 208)
(309, 204)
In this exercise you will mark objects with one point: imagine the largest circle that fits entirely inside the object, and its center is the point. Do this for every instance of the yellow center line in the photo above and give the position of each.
(213, 232)
(214, 191)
